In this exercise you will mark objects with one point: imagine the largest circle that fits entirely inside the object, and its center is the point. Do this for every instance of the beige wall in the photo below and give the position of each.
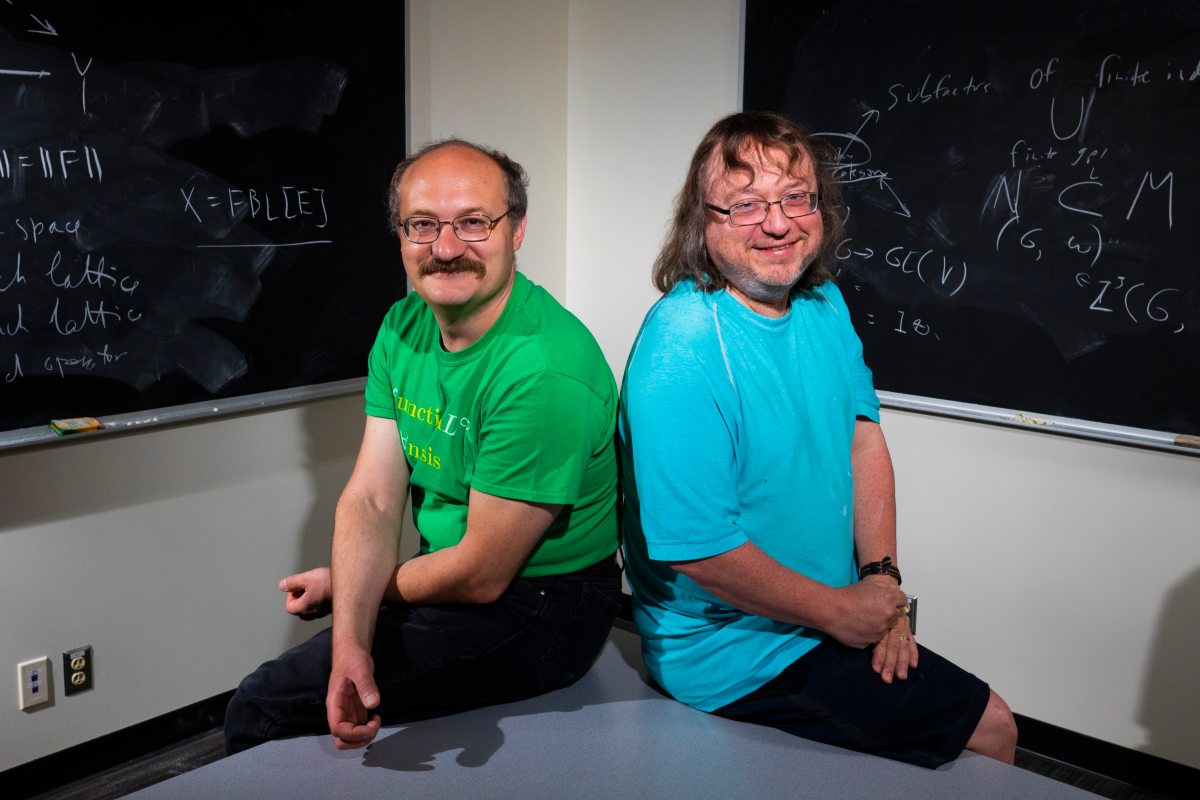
(1067, 573)
(495, 72)
(161, 549)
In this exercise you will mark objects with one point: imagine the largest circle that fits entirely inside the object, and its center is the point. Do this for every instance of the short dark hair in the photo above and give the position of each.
(515, 180)
(685, 254)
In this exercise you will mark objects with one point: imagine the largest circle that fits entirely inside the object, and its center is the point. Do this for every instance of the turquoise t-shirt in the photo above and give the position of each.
(736, 427)
(527, 412)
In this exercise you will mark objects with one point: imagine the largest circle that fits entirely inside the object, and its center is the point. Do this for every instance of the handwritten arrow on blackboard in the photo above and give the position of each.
(886, 183)
(46, 30)
(871, 115)
(868, 116)
(26, 73)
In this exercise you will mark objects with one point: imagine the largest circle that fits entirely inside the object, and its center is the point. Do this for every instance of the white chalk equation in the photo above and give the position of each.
(263, 206)
(51, 163)
(1140, 302)
(1070, 194)
(945, 272)
(904, 325)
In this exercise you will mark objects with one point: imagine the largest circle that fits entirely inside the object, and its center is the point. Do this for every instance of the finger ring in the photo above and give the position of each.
(903, 638)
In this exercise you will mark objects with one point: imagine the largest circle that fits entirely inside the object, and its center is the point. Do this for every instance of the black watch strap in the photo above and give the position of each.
(882, 567)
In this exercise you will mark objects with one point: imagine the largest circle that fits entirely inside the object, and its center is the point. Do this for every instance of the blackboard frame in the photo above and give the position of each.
(191, 412)
(753, 51)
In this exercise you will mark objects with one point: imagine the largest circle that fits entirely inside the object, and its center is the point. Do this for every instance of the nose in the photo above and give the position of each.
(447, 246)
(777, 223)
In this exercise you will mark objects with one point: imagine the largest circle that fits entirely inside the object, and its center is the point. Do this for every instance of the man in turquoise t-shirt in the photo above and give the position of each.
(759, 517)
(496, 408)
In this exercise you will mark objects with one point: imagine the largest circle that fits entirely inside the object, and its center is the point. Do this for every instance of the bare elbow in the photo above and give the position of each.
(354, 506)
(478, 584)
(482, 591)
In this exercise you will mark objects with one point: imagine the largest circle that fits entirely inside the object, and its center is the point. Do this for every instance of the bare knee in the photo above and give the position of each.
(996, 733)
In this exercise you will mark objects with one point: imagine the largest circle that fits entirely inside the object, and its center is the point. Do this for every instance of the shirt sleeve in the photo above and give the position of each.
(538, 439)
(379, 401)
(678, 421)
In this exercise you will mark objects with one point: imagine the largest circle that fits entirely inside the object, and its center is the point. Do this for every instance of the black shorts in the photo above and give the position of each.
(832, 695)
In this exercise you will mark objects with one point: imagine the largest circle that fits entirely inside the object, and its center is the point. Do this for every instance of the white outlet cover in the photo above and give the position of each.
(33, 678)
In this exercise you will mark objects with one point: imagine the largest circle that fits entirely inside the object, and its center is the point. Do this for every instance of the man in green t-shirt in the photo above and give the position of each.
(495, 407)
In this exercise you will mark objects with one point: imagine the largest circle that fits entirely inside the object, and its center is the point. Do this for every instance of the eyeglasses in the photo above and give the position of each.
(754, 212)
(468, 227)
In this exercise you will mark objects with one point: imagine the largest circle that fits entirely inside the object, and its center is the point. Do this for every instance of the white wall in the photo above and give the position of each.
(494, 72)
(646, 81)
(161, 549)
(1064, 572)
(1067, 573)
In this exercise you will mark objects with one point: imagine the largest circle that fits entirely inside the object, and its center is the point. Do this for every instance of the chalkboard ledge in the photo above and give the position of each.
(135, 421)
(1084, 429)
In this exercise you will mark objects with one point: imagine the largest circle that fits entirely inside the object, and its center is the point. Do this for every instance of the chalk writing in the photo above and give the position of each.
(934, 89)
(32, 230)
(50, 163)
(16, 371)
(260, 205)
(905, 326)
(940, 270)
(1060, 198)
(16, 326)
(852, 154)
(96, 273)
(1111, 71)
(121, 255)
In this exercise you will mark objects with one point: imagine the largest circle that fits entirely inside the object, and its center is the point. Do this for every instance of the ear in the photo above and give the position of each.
(518, 235)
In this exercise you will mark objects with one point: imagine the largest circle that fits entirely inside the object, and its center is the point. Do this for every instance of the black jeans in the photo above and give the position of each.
(541, 634)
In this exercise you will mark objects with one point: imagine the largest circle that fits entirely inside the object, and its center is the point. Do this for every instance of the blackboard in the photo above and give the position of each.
(192, 200)
(1022, 183)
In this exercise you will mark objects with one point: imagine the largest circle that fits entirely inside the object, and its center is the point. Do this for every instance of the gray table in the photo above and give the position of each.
(608, 736)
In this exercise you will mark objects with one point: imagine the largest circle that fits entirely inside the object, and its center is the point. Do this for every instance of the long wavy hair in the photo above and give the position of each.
(685, 254)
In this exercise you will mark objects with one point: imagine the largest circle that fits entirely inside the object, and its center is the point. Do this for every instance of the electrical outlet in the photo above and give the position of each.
(77, 670)
(35, 682)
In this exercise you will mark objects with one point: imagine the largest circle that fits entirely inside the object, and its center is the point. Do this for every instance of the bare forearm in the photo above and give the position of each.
(874, 495)
(751, 581)
(365, 548)
(501, 534)
(439, 577)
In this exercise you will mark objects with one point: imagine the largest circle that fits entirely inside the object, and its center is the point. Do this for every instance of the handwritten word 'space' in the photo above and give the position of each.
(262, 205)
(31, 229)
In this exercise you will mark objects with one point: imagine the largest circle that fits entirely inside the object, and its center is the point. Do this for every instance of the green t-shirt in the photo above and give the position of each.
(527, 413)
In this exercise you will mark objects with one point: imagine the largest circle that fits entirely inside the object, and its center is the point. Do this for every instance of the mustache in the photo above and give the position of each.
(433, 266)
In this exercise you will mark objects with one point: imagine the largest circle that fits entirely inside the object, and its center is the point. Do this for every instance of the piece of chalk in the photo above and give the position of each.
(62, 427)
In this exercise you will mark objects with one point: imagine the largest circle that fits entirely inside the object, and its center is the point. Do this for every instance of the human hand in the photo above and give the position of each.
(352, 696)
(896, 653)
(868, 610)
(310, 594)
